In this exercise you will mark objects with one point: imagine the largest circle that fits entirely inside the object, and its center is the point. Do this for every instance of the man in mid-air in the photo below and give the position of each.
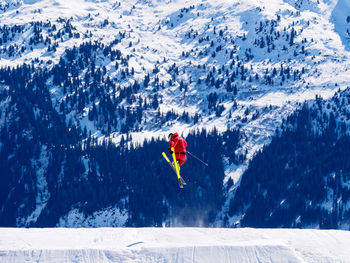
(179, 144)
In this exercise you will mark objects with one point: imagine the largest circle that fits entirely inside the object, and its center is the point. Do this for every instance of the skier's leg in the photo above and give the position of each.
(180, 162)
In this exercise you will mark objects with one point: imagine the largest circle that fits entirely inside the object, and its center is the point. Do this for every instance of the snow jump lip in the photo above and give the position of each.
(173, 245)
(239, 254)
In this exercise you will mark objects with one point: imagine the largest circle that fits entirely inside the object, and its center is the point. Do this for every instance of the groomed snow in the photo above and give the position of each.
(173, 245)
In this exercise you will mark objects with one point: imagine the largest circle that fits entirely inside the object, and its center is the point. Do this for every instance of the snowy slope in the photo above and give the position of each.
(341, 19)
(173, 245)
(304, 42)
(161, 32)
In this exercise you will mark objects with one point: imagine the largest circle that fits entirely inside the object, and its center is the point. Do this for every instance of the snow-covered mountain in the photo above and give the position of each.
(173, 245)
(78, 74)
(301, 179)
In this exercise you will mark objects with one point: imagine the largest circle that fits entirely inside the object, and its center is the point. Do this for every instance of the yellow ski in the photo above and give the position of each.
(181, 181)
(177, 169)
(167, 159)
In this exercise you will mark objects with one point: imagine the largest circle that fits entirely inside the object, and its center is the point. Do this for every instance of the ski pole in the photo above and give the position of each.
(197, 158)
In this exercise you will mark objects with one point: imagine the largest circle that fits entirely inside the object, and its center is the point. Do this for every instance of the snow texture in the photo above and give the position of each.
(173, 245)
(147, 23)
(107, 217)
(159, 33)
(341, 19)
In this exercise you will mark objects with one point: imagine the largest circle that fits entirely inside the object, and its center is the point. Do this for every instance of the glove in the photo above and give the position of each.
(170, 151)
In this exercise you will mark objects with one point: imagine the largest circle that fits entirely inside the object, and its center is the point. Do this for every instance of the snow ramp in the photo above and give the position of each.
(173, 245)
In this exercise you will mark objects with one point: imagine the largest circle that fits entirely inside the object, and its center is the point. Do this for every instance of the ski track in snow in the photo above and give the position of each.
(173, 245)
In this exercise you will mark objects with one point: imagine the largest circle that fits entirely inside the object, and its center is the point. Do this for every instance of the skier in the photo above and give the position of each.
(179, 144)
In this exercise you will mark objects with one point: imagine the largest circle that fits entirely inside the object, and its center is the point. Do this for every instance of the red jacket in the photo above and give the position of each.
(179, 145)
